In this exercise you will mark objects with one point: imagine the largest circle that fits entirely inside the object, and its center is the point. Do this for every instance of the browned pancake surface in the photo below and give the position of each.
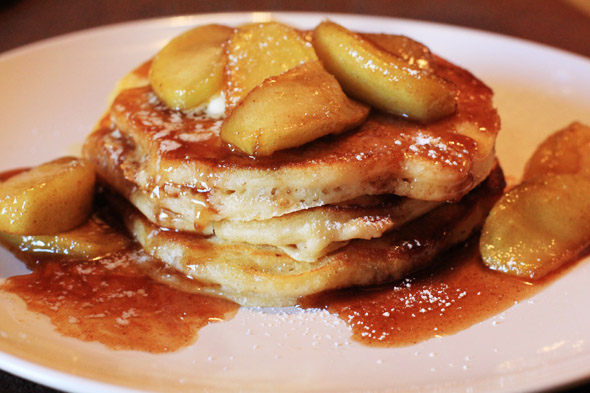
(174, 154)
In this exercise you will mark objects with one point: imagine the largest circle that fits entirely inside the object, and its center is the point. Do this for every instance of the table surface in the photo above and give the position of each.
(564, 24)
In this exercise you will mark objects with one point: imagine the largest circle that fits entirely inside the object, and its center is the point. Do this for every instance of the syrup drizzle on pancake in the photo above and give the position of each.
(190, 136)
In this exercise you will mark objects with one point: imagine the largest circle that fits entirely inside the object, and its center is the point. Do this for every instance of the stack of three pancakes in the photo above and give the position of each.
(364, 207)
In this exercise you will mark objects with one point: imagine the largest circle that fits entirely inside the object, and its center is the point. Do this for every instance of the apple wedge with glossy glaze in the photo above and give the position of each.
(188, 71)
(371, 74)
(50, 198)
(411, 51)
(299, 106)
(258, 51)
(544, 222)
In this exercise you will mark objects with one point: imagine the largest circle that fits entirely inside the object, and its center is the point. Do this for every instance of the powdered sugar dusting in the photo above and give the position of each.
(320, 328)
(451, 152)
(169, 145)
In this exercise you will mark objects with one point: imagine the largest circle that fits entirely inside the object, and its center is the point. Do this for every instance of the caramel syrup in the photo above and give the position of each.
(111, 300)
(456, 294)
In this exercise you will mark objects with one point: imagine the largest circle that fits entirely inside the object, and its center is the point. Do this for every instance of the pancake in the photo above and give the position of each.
(180, 166)
(305, 235)
(363, 207)
(308, 235)
(261, 276)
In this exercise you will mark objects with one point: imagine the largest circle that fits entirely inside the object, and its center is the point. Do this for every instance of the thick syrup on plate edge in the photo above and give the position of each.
(452, 296)
(114, 301)
(111, 300)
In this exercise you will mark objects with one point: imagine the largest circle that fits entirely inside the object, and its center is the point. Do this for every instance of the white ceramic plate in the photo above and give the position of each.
(53, 92)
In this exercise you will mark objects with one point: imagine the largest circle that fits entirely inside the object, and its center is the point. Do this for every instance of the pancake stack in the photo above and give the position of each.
(361, 206)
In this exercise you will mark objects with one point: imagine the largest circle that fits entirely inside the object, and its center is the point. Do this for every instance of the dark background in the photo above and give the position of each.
(554, 22)
(563, 24)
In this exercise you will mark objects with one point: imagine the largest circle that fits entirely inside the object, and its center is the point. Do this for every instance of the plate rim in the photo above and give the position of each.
(22, 365)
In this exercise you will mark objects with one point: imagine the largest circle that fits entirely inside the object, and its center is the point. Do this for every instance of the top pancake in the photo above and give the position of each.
(180, 153)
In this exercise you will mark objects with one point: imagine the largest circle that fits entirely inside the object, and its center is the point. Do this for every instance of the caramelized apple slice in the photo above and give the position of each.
(51, 198)
(189, 70)
(291, 109)
(413, 52)
(380, 78)
(92, 239)
(256, 52)
(538, 226)
(566, 151)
